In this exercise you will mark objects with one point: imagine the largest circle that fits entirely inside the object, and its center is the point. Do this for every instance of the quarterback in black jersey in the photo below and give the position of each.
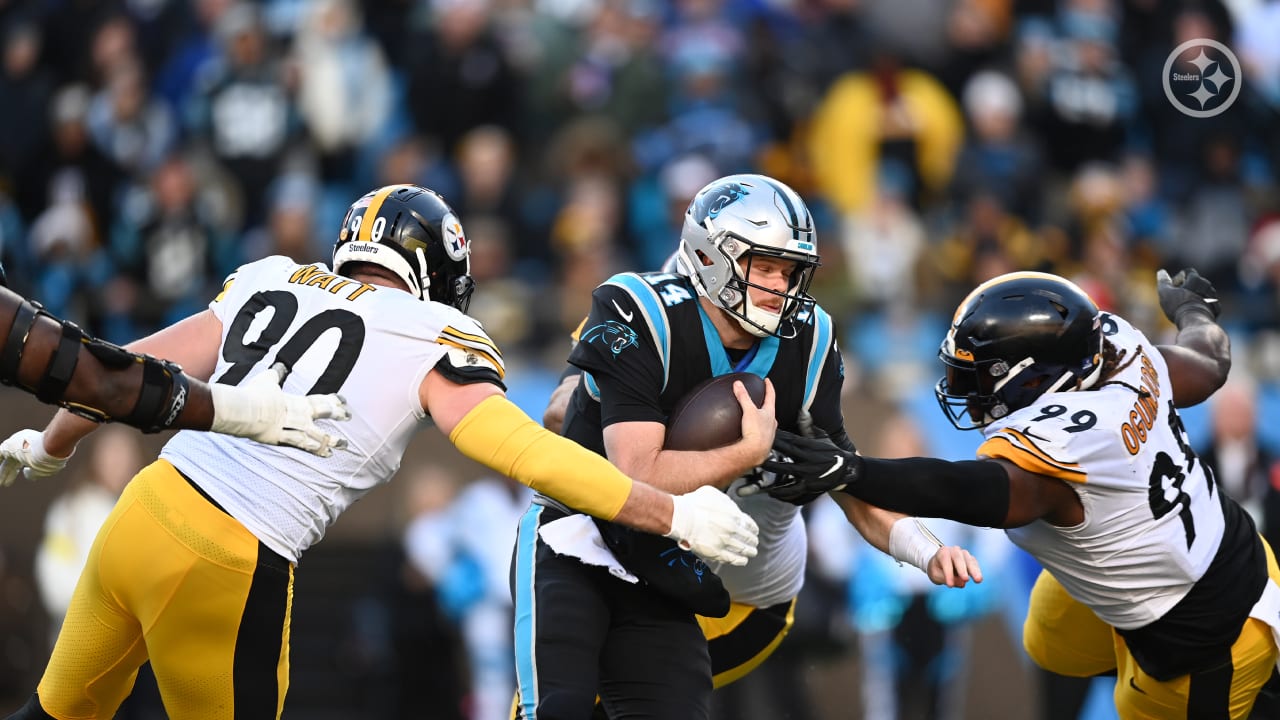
(601, 609)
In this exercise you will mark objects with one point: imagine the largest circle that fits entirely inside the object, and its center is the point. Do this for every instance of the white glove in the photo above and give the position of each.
(24, 450)
(708, 523)
(259, 410)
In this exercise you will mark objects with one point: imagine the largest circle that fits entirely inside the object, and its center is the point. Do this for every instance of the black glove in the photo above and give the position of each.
(807, 467)
(1186, 292)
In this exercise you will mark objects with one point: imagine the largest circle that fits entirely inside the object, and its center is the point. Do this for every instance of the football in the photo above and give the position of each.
(709, 416)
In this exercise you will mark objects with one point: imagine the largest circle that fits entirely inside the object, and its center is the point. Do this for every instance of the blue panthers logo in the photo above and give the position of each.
(685, 559)
(613, 335)
(712, 202)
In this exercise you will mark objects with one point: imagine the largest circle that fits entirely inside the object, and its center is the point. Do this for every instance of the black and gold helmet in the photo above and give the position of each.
(411, 231)
(1013, 339)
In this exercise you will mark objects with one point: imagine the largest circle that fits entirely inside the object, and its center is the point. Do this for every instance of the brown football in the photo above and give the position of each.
(709, 415)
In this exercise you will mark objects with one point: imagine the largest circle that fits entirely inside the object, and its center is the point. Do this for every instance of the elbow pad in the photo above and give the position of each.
(974, 492)
(498, 435)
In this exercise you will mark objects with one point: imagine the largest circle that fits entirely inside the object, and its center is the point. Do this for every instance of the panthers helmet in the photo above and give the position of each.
(4, 280)
(1013, 339)
(747, 216)
(412, 232)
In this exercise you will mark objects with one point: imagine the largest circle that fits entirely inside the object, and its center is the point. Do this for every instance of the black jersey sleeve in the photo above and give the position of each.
(618, 352)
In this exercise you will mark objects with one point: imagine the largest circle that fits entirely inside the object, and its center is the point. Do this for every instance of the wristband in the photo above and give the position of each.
(911, 542)
(1200, 308)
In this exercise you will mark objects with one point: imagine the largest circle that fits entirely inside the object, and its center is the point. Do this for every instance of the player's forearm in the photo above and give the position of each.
(66, 431)
(873, 523)
(647, 509)
(678, 472)
(1201, 334)
(500, 436)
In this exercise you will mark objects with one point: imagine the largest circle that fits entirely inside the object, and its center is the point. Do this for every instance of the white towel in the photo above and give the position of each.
(577, 536)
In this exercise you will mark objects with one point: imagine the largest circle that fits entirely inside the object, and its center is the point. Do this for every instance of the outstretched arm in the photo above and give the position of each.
(987, 493)
(488, 428)
(906, 539)
(1200, 358)
(101, 382)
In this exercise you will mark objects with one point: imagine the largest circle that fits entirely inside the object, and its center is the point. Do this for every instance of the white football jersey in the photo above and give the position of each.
(776, 573)
(373, 345)
(1153, 518)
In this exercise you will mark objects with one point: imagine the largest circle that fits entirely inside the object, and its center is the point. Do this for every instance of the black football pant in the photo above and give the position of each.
(579, 629)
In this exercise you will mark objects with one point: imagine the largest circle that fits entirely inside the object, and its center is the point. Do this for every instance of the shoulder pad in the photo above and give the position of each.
(469, 348)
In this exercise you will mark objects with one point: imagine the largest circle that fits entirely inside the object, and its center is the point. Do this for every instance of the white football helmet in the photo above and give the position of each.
(746, 216)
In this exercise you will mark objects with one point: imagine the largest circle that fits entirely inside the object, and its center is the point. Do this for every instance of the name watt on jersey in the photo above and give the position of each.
(313, 276)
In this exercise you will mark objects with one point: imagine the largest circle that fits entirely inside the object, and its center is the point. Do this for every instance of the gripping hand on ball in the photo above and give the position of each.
(758, 423)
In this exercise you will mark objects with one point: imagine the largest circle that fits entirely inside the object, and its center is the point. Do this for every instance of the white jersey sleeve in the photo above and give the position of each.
(1153, 518)
(373, 345)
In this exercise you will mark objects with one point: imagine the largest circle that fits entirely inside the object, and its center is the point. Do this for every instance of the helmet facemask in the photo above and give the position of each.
(989, 390)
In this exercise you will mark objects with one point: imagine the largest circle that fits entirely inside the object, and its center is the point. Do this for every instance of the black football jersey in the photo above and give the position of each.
(648, 342)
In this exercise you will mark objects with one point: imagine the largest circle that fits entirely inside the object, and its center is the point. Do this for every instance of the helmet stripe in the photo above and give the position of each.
(371, 212)
(791, 208)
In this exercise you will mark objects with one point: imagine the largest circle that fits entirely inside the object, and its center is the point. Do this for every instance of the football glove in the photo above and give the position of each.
(712, 526)
(806, 467)
(24, 451)
(259, 410)
(1186, 292)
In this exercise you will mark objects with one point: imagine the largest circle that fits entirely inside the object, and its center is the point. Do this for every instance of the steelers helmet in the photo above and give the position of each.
(411, 231)
(748, 216)
(1014, 338)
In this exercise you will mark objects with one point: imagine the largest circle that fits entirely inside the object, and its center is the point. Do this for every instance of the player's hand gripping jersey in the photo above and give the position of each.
(335, 335)
(1161, 551)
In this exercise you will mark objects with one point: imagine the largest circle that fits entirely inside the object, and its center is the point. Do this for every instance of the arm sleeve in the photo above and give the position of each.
(500, 436)
(974, 492)
(618, 352)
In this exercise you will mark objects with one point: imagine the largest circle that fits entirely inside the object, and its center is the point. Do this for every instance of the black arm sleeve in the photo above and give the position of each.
(974, 492)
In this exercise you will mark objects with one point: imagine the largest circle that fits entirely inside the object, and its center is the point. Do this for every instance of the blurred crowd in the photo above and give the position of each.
(149, 147)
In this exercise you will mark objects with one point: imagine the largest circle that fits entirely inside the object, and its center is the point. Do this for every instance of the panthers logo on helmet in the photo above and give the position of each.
(712, 203)
(455, 241)
(613, 335)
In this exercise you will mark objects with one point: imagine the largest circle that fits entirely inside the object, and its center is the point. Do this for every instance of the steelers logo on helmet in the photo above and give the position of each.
(411, 231)
(455, 241)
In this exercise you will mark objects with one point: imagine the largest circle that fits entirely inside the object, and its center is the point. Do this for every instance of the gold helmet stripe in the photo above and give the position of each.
(371, 212)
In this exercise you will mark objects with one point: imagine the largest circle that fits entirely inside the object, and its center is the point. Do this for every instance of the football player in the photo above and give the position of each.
(55, 361)
(636, 630)
(1152, 573)
(222, 521)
